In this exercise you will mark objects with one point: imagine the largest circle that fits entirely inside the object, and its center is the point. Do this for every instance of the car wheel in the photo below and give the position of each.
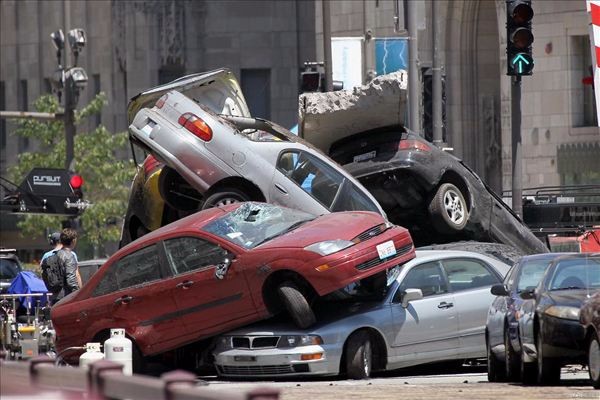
(224, 197)
(448, 209)
(594, 361)
(296, 305)
(359, 356)
(548, 371)
(512, 364)
(495, 369)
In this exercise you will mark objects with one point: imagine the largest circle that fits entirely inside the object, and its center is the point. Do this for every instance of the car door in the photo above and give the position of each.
(498, 311)
(135, 293)
(428, 328)
(470, 280)
(206, 302)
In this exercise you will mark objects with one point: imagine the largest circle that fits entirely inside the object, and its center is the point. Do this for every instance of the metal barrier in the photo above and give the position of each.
(104, 380)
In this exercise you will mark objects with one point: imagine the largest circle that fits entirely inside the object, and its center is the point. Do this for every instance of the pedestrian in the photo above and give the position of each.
(54, 241)
(61, 267)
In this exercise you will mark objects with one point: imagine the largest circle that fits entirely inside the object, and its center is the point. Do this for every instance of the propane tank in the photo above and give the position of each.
(118, 349)
(92, 354)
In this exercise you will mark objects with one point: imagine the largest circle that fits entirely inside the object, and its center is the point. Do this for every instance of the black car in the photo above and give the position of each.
(10, 266)
(421, 187)
(501, 332)
(549, 330)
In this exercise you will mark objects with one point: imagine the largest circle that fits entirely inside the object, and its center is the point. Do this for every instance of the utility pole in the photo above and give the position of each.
(326, 8)
(414, 98)
(516, 146)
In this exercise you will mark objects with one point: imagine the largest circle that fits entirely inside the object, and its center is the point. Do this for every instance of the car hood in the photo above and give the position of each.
(571, 298)
(219, 90)
(346, 226)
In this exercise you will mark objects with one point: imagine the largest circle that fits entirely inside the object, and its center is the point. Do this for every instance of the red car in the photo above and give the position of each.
(226, 267)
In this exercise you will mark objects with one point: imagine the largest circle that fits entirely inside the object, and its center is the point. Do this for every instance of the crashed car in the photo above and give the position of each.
(433, 309)
(225, 267)
(420, 186)
(214, 153)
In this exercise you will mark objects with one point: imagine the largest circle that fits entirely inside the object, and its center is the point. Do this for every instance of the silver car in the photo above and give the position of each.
(215, 153)
(432, 309)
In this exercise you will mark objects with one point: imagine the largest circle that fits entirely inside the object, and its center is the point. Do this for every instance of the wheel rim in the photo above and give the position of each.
(594, 360)
(367, 359)
(454, 207)
(226, 201)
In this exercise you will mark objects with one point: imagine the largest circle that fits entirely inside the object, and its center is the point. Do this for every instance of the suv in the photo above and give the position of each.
(10, 266)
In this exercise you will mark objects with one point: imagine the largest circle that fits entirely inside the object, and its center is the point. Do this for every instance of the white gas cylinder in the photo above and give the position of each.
(119, 349)
(92, 354)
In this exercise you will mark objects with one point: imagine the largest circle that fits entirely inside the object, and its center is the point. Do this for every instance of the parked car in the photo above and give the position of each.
(549, 330)
(215, 153)
(503, 252)
(226, 267)
(590, 319)
(502, 336)
(10, 266)
(420, 186)
(432, 309)
(87, 268)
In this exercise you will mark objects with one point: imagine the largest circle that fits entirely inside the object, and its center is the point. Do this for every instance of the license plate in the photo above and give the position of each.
(244, 358)
(386, 249)
(147, 129)
(365, 156)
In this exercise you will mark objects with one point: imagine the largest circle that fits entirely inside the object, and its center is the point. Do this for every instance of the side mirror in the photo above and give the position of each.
(499, 290)
(528, 293)
(222, 268)
(410, 295)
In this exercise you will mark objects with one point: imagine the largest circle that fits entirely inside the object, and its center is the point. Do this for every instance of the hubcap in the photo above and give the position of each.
(454, 207)
(594, 360)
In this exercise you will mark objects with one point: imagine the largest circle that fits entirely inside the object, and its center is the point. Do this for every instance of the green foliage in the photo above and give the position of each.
(106, 177)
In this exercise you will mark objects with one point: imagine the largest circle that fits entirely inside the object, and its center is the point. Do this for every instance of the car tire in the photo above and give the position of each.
(495, 369)
(594, 360)
(224, 197)
(548, 370)
(359, 356)
(448, 209)
(296, 305)
(512, 363)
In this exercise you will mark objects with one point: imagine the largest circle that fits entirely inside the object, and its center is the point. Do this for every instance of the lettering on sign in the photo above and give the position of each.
(46, 180)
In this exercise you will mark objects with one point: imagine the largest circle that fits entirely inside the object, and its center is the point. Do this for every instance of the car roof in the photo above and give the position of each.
(425, 255)
(545, 256)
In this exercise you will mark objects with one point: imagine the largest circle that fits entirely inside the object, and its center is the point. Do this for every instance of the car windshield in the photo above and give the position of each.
(253, 224)
(531, 274)
(8, 268)
(578, 273)
(368, 289)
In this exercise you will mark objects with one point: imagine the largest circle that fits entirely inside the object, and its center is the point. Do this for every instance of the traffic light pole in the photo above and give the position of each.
(516, 146)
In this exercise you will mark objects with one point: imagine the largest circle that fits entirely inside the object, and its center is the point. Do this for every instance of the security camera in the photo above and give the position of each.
(77, 39)
(58, 39)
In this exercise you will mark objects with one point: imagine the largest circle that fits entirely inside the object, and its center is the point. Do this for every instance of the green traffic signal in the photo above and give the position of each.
(522, 64)
(519, 37)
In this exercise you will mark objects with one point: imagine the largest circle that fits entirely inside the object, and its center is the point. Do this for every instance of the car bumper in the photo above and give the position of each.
(276, 362)
(563, 338)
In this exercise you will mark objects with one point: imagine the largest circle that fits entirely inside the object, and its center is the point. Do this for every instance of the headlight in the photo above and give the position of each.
(329, 246)
(563, 312)
(224, 343)
(299, 340)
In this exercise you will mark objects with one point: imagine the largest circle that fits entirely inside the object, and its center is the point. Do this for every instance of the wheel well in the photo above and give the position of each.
(455, 179)
(237, 182)
(271, 296)
(379, 349)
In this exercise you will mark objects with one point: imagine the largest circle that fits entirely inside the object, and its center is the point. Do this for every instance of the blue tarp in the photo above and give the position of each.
(28, 282)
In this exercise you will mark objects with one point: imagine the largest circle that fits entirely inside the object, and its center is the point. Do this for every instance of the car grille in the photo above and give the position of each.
(255, 369)
(371, 233)
(376, 261)
(254, 342)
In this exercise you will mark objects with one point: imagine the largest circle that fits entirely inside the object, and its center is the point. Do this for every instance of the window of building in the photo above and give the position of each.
(583, 105)
(256, 86)
(23, 99)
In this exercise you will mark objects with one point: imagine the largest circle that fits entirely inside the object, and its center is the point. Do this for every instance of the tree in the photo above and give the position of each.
(107, 176)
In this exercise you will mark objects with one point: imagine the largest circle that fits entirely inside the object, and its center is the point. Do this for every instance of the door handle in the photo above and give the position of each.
(281, 188)
(123, 300)
(185, 284)
(443, 304)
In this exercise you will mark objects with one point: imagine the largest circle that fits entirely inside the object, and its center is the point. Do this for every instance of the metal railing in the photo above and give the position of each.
(40, 378)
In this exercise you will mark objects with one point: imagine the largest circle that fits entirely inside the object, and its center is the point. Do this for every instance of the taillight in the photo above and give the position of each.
(196, 125)
(412, 144)
(76, 182)
(150, 163)
(161, 102)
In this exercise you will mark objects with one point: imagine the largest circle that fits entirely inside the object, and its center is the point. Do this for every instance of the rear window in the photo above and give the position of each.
(9, 268)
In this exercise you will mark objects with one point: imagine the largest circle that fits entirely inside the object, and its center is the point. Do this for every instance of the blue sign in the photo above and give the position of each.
(391, 55)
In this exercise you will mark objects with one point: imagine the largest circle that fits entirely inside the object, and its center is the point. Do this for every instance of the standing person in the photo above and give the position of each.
(54, 240)
(62, 266)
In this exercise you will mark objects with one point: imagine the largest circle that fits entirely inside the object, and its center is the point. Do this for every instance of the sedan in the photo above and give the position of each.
(227, 267)
(421, 187)
(590, 319)
(503, 346)
(213, 152)
(432, 309)
(549, 330)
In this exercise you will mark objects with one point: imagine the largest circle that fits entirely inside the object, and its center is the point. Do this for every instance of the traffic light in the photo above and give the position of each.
(519, 37)
(310, 81)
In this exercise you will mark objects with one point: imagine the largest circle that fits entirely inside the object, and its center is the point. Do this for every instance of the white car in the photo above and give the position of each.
(433, 309)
